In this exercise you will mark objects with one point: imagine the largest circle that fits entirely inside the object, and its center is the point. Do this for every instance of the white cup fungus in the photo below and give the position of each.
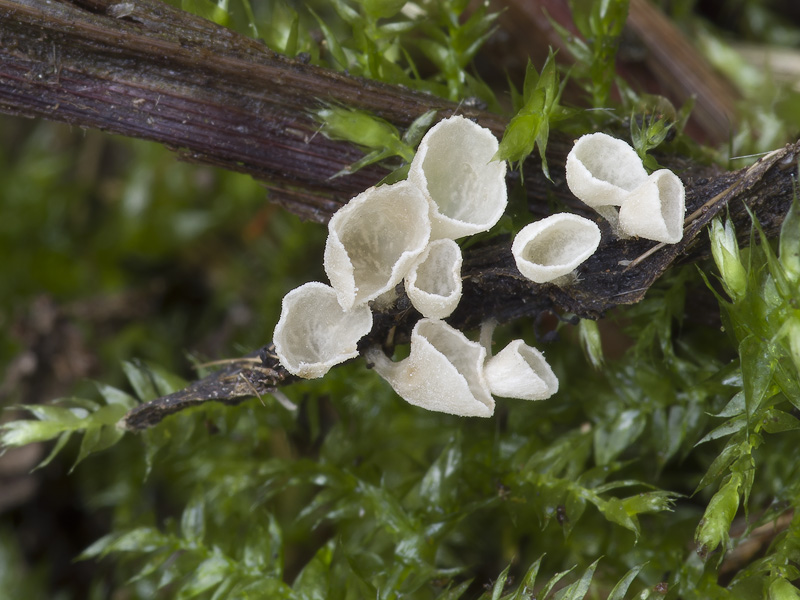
(554, 246)
(443, 372)
(655, 209)
(520, 371)
(434, 282)
(314, 333)
(453, 167)
(602, 170)
(374, 239)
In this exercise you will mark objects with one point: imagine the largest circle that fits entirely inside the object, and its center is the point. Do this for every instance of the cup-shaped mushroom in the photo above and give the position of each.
(601, 170)
(314, 333)
(655, 210)
(453, 167)
(374, 239)
(555, 246)
(443, 371)
(434, 282)
(520, 371)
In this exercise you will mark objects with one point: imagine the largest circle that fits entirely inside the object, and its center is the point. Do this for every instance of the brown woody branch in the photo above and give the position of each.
(146, 70)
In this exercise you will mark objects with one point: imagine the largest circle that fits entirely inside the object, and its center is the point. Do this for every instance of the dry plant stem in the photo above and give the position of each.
(146, 70)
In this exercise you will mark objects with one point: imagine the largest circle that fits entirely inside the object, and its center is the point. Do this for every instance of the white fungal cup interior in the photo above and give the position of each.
(602, 169)
(673, 206)
(610, 159)
(655, 210)
(434, 282)
(554, 246)
(454, 165)
(314, 333)
(374, 239)
(436, 273)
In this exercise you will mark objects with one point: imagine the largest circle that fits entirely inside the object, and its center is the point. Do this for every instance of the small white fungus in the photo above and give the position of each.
(655, 209)
(602, 170)
(374, 239)
(443, 372)
(314, 332)
(453, 167)
(434, 282)
(554, 246)
(520, 371)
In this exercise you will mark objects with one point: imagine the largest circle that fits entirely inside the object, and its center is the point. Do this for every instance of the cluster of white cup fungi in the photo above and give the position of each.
(607, 174)
(405, 232)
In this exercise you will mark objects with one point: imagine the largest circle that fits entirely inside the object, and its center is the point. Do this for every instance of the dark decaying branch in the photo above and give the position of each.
(146, 70)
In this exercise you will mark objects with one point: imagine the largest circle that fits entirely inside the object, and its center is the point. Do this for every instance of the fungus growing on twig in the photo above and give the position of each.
(655, 209)
(314, 332)
(434, 282)
(374, 239)
(602, 170)
(554, 246)
(443, 372)
(453, 167)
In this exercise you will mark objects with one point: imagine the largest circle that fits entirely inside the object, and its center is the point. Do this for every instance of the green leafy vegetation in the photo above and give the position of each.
(666, 449)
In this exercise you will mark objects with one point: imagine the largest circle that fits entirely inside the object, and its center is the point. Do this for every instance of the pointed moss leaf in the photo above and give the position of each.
(265, 588)
(757, 368)
(113, 395)
(531, 125)
(208, 10)
(418, 127)
(579, 589)
(548, 587)
(781, 589)
(455, 593)
(357, 127)
(334, 47)
(106, 415)
(525, 589)
(142, 539)
(649, 502)
(368, 159)
(614, 511)
(58, 414)
(727, 428)
(96, 439)
(381, 9)
(735, 407)
(610, 441)
(777, 421)
(519, 137)
(290, 46)
(207, 575)
(619, 590)
(439, 486)
(591, 342)
(733, 449)
(141, 381)
(574, 508)
(153, 564)
(21, 433)
(193, 520)
(500, 584)
(387, 510)
(57, 448)
(312, 581)
(789, 244)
